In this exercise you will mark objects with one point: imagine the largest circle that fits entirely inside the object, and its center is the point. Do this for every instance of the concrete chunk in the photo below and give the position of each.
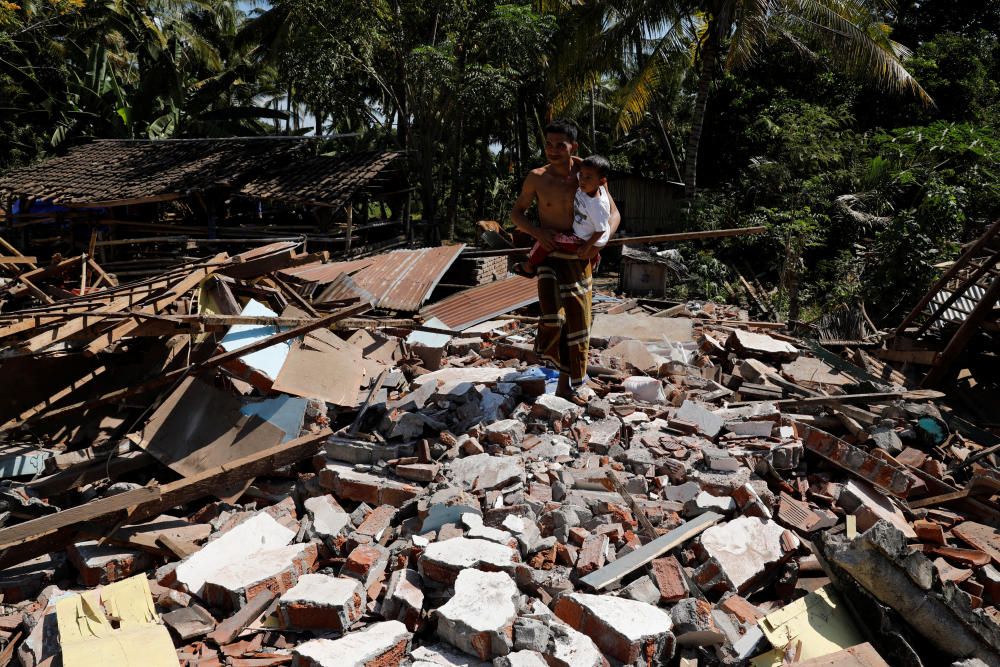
(746, 548)
(258, 533)
(479, 618)
(485, 472)
(708, 423)
(505, 433)
(319, 601)
(379, 645)
(235, 582)
(442, 561)
(626, 630)
(404, 598)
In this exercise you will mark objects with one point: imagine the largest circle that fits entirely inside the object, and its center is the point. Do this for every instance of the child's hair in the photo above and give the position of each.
(598, 163)
(562, 126)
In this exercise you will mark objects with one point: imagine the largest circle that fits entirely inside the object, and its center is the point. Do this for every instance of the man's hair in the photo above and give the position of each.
(562, 126)
(598, 163)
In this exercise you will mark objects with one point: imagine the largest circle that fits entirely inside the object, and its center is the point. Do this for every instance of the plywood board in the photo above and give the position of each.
(643, 327)
(334, 376)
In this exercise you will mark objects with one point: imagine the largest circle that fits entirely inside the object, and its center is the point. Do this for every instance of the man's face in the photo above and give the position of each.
(558, 147)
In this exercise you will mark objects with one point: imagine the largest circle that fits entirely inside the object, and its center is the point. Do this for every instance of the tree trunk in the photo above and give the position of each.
(456, 178)
(522, 135)
(709, 55)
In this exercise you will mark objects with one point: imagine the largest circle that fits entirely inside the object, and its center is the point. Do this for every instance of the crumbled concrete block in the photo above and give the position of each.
(351, 451)
(531, 634)
(571, 648)
(349, 484)
(604, 434)
(708, 423)
(626, 630)
(479, 618)
(322, 602)
(761, 346)
(442, 561)
(99, 564)
(260, 532)
(404, 598)
(367, 564)
(706, 502)
(521, 659)
(555, 409)
(484, 472)
(694, 625)
(476, 530)
(746, 548)
(379, 645)
(505, 433)
(681, 493)
(642, 589)
(374, 526)
(418, 472)
(329, 522)
(237, 581)
(440, 514)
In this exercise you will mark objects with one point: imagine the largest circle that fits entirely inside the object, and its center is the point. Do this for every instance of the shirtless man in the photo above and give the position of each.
(564, 281)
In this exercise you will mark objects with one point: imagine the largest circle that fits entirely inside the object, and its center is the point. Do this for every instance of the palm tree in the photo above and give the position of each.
(734, 34)
(851, 31)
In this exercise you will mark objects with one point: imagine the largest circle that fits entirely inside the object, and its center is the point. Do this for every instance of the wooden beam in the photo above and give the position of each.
(645, 554)
(17, 259)
(971, 252)
(915, 395)
(639, 240)
(56, 531)
(160, 303)
(102, 507)
(208, 364)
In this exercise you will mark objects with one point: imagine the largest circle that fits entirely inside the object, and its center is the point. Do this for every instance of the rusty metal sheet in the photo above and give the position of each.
(478, 304)
(399, 280)
(855, 460)
(323, 274)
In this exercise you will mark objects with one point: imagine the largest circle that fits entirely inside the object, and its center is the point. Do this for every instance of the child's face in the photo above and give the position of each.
(591, 180)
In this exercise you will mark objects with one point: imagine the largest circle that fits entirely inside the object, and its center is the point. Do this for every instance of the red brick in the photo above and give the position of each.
(669, 577)
(592, 554)
(741, 609)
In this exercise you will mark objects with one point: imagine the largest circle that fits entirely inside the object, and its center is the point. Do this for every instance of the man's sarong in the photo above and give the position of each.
(564, 295)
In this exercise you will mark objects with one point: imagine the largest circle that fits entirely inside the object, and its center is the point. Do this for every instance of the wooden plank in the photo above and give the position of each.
(186, 284)
(915, 395)
(31, 530)
(17, 259)
(226, 631)
(20, 544)
(921, 357)
(633, 560)
(11, 249)
(177, 547)
(210, 363)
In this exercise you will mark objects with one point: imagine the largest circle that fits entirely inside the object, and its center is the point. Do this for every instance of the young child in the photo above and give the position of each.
(591, 218)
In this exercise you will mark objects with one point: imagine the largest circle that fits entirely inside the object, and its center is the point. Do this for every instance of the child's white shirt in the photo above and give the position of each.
(592, 214)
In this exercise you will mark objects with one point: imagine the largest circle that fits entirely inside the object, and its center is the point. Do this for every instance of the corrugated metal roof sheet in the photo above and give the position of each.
(326, 273)
(398, 280)
(961, 309)
(478, 304)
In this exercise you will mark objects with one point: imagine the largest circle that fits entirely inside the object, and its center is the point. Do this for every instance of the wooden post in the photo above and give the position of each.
(349, 210)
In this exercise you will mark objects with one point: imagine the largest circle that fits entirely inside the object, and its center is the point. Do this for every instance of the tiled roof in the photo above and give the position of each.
(106, 171)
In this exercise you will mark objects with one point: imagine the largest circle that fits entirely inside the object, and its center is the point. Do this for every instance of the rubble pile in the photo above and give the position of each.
(727, 495)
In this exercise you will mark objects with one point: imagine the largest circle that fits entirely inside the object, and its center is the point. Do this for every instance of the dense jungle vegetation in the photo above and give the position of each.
(863, 133)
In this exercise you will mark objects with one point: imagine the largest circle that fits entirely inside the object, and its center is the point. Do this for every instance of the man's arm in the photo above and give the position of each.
(585, 251)
(520, 220)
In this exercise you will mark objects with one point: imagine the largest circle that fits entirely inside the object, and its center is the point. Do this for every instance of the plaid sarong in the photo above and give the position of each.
(564, 294)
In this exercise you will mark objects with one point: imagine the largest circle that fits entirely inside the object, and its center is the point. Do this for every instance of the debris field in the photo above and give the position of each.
(225, 464)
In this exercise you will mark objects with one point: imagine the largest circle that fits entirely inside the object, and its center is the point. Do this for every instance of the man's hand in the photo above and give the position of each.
(545, 237)
(587, 252)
